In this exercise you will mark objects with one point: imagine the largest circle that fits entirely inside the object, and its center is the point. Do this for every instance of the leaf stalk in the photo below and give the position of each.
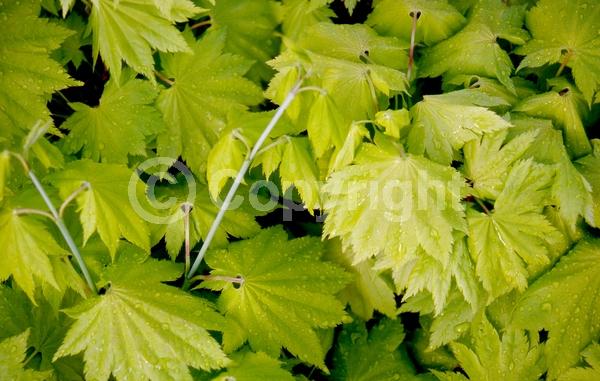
(240, 175)
(64, 231)
(564, 62)
(85, 186)
(411, 52)
(25, 211)
(58, 221)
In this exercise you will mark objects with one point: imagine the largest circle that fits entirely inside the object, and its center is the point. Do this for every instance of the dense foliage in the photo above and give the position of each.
(426, 205)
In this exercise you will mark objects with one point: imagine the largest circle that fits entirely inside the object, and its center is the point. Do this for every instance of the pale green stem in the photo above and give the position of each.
(72, 197)
(200, 24)
(164, 78)
(281, 140)
(411, 53)
(238, 135)
(22, 211)
(186, 207)
(230, 279)
(482, 205)
(240, 176)
(63, 230)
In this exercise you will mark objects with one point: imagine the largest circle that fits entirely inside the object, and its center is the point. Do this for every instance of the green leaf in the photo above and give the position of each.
(250, 26)
(12, 357)
(142, 329)
(447, 326)
(178, 10)
(350, 5)
(589, 167)
(442, 124)
(106, 207)
(574, 43)
(242, 132)
(4, 172)
(570, 191)
(488, 161)
(128, 30)
(48, 327)
(238, 222)
(26, 244)
(249, 366)
(514, 239)
(422, 271)
(118, 126)
(395, 122)
(564, 302)
(298, 168)
(325, 125)
(474, 50)
(504, 19)
(224, 161)
(282, 288)
(15, 311)
(301, 14)
(66, 6)
(373, 355)
(27, 74)
(512, 357)
(592, 356)
(437, 20)
(369, 290)
(565, 107)
(355, 70)
(503, 99)
(70, 49)
(208, 84)
(346, 154)
(410, 200)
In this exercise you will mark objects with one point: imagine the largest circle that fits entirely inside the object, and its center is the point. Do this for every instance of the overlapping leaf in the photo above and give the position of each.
(355, 71)
(128, 30)
(298, 168)
(27, 245)
(207, 85)
(12, 356)
(238, 222)
(565, 107)
(474, 50)
(448, 326)
(592, 356)
(571, 192)
(250, 366)
(142, 329)
(514, 239)
(369, 291)
(436, 20)
(410, 200)
(242, 132)
(489, 160)
(564, 302)
(270, 284)
(442, 124)
(511, 356)
(566, 32)
(589, 167)
(250, 27)
(27, 74)
(420, 272)
(106, 206)
(118, 126)
(301, 14)
(374, 355)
